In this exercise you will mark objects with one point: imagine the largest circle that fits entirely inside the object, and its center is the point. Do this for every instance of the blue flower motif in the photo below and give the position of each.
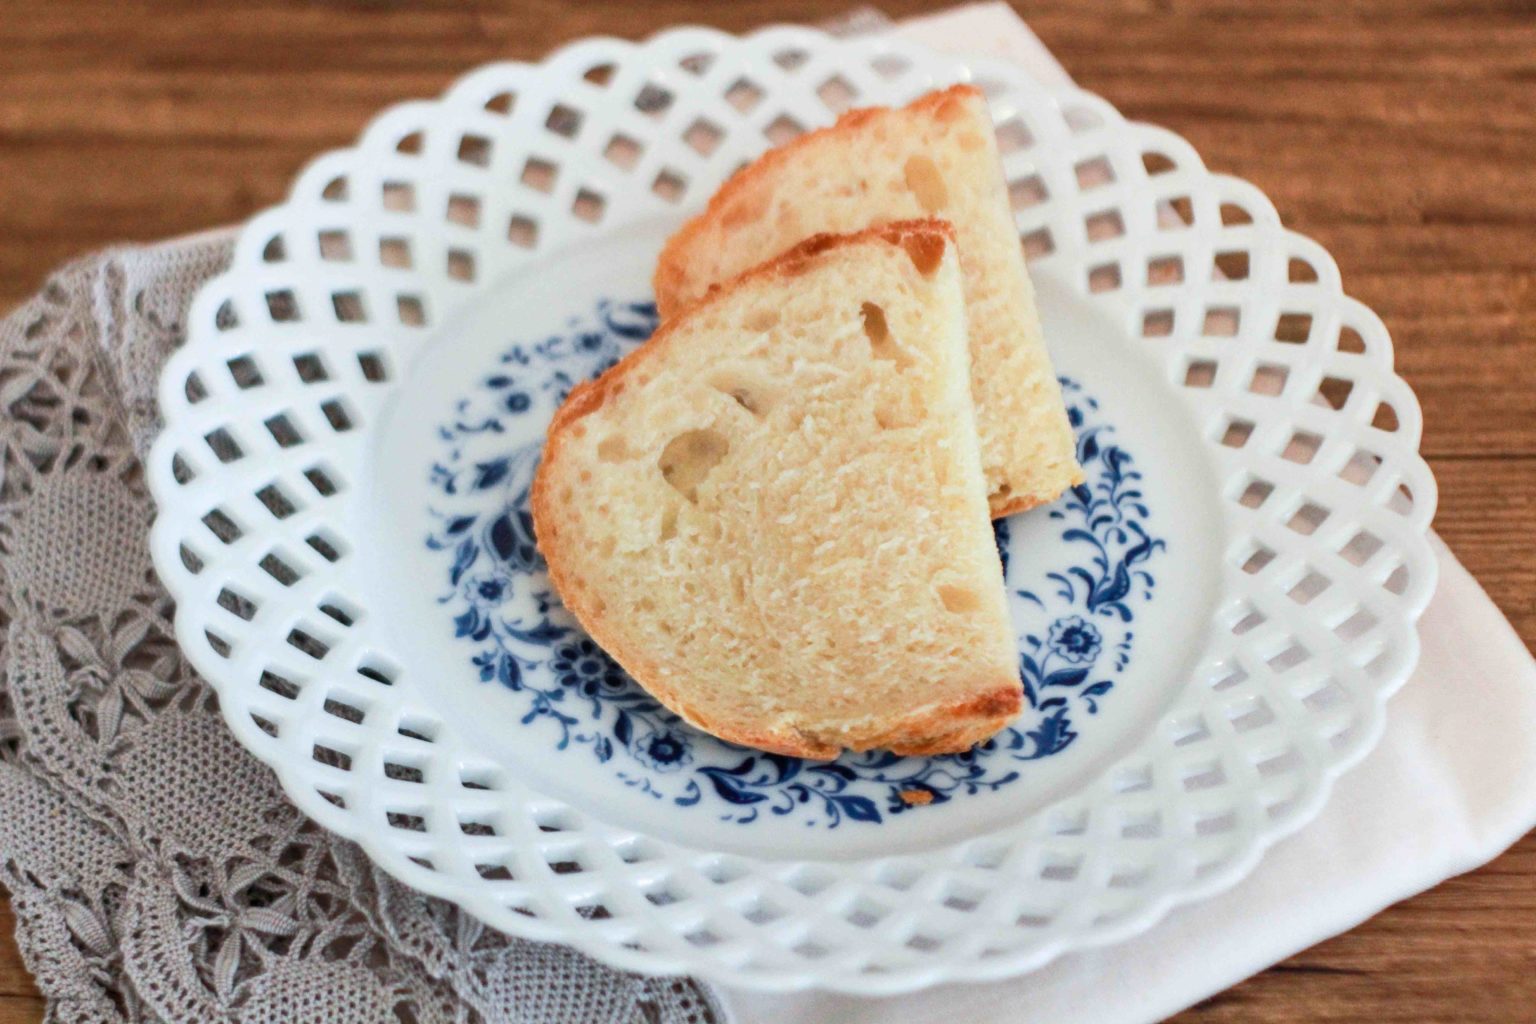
(488, 591)
(664, 750)
(583, 666)
(1075, 639)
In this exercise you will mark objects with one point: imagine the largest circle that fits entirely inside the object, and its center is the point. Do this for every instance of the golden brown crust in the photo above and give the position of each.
(738, 189)
(946, 729)
(956, 727)
(796, 260)
(1002, 509)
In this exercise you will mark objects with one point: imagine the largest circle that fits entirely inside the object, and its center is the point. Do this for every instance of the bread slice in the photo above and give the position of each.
(773, 515)
(936, 157)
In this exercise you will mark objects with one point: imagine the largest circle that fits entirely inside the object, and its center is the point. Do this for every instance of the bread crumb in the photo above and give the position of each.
(916, 797)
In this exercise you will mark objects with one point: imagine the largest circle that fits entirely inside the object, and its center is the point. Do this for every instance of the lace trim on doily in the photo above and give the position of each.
(155, 869)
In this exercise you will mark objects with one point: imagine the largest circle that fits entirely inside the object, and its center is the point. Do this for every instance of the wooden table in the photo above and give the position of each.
(1400, 135)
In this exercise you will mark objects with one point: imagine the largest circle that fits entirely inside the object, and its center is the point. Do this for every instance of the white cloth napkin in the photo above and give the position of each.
(1452, 785)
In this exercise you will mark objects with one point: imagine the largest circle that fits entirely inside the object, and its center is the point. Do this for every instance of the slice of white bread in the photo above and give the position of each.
(937, 157)
(773, 514)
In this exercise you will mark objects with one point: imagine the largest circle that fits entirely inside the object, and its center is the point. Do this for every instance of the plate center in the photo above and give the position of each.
(1111, 587)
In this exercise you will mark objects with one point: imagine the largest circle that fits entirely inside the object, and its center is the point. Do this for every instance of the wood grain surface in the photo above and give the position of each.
(1401, 135)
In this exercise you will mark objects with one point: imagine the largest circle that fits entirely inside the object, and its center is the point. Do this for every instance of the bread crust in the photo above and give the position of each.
(668, 277)
(947, 728)
(1027, 502)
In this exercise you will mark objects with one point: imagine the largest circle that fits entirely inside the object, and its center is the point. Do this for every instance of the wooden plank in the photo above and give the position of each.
(1461, 953)
(15, 982)
(21, 1009)
(1487, 516)
(1413, 176)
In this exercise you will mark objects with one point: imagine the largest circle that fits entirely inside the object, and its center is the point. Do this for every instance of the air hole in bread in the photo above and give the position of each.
(875, 326)
(688, 458)
(762, 319)
(878, 331)
(958, 599)
(745, 208)
(668, 523)
(891, 415)
(747, 400)
(790, 222)
(925, 250)
(614, 449)
(926, 184)
(712, 531)
(748, 390)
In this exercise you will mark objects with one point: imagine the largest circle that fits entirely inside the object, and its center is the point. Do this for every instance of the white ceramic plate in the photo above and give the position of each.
(1208, 629)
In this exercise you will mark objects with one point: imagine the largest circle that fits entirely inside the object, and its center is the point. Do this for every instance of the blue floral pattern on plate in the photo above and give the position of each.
(500, 604)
